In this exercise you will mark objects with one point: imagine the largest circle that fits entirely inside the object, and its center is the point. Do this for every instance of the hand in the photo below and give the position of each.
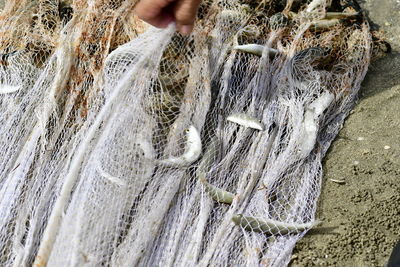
(160, 13)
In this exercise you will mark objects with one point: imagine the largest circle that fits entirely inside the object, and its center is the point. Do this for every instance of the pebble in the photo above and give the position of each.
(366, 151)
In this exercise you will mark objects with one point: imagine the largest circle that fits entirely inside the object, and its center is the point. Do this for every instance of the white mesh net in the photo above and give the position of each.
(125, 145)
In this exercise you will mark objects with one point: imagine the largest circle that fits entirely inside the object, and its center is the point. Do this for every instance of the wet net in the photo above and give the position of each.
(126, 145)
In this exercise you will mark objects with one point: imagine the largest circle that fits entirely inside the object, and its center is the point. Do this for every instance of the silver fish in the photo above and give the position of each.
(246, 121)
(324, 24)
(192, 151)
(309, 133)
(272, 227)
(341, 15)
(7, 89)
(255, 49)
(216, 193)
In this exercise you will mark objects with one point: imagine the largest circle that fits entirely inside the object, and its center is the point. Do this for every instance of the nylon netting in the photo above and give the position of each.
(126, 145)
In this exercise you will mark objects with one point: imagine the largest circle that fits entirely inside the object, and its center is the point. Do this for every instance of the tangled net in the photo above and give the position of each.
(125, 145)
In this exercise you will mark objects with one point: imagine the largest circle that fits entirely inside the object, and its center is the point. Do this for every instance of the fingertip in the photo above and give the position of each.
(161, 21)
(185, 29)
(155, 12)
(185, 15)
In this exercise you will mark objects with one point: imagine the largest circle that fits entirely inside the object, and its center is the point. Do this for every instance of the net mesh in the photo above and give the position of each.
(126, 145)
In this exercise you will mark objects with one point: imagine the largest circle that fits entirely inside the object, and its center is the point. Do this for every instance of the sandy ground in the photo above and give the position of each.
(361, 218)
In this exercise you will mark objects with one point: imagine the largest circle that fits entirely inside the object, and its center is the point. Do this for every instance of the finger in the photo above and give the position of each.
(155, 12)
(185, 15)
(161, 21)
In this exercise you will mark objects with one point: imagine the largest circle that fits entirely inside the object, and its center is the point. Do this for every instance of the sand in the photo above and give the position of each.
(361, 218)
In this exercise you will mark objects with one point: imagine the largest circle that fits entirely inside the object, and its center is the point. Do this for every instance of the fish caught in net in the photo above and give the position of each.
(126, 145)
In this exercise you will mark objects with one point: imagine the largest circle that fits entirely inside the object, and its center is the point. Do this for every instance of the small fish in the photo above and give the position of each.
(255, 49)
(338, 181)
(341, 15)
(246, 121)
(111, 178)
(216, 193)
(308, 137)
(7, 89)
(319, 105)
(269, 226)
(324, 24)
(192, 151)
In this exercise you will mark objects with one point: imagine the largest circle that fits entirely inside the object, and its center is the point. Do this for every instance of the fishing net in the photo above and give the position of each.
(126, 145)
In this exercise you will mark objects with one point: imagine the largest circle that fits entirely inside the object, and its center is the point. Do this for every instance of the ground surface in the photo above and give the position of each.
(361, 218)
